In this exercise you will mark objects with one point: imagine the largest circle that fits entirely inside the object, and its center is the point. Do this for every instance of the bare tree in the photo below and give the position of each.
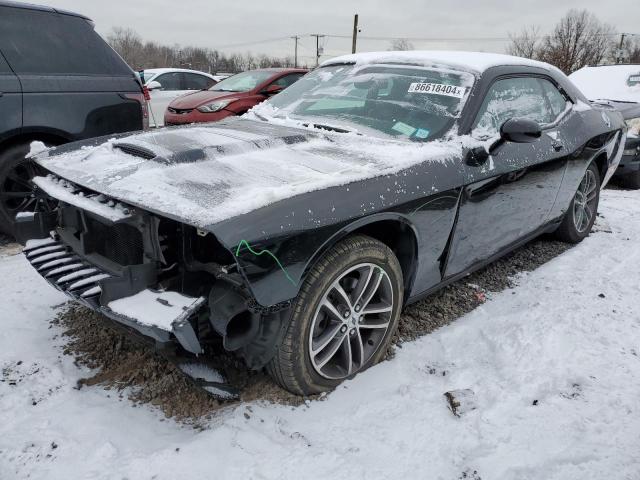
(400, 44)
(128, 44)
(525, 44)
(579, 39)
(140, 55)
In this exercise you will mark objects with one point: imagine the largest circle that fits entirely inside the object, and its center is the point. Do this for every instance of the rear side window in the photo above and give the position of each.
(287, 80)
(557, 101)
(170, 81)
(36, 42)
(193, 81)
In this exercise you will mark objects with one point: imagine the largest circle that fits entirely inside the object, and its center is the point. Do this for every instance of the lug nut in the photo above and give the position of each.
(358, 307)
(343, 329)
(352, 332)
(345, 314)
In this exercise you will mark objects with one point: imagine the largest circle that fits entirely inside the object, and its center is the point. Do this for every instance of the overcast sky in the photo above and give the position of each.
(258, 24)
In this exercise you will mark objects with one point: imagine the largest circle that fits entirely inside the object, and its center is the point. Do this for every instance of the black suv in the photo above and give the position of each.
(59, 82)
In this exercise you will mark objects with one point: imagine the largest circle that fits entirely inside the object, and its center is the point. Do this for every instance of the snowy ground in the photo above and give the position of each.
(554, 364)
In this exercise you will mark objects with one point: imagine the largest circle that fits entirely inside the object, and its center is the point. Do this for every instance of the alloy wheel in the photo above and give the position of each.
(584, 201)
(17, 192)
(351, 321)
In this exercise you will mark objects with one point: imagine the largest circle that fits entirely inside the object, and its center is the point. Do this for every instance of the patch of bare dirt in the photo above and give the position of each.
(134, 370)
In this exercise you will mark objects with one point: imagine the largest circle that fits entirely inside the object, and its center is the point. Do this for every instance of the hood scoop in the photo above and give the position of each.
(135, 150)
(140, 152)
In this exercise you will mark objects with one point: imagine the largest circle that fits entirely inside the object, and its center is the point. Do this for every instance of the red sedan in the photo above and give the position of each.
(232, 96)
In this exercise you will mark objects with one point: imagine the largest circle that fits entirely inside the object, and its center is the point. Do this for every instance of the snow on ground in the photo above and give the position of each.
(554, 364)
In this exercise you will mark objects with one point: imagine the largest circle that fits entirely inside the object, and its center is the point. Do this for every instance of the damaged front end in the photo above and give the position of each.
(171, 282)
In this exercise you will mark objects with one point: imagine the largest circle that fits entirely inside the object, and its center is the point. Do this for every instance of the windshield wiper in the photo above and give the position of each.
(331, 128)
(261, 117)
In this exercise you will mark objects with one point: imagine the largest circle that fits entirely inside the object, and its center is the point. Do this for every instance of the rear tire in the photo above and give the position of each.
(579, 218)
(357, 328)
(16, 188)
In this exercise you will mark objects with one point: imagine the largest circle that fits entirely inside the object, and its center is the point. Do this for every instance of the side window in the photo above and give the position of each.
(509, 98)
(288, 80)
(170, 81)
(193, 81)
(37, 42)
(557, 101)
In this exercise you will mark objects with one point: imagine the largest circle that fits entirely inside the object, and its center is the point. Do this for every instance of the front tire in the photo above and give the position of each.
(343, 319)
(579, 218)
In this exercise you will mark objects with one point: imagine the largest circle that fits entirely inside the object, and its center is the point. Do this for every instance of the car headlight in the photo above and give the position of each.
(634, 127)
(214, 106)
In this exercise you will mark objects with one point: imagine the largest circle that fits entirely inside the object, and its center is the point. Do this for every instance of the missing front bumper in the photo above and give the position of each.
(160, 315)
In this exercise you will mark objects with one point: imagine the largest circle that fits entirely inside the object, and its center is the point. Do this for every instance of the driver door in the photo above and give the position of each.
(508, 198)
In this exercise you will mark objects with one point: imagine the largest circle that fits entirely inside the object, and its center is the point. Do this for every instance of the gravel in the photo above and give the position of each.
(135, 371)
(461, 297)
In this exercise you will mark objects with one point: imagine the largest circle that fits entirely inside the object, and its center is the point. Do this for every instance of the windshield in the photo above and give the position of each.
(408, 102)
(242, 82)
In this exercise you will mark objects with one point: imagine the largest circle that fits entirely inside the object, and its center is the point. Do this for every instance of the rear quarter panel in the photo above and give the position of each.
(591, 134)
(79, 107)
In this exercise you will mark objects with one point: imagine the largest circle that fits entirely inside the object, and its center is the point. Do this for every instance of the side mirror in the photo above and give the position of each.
(520, 130)
(516, 130)
(271, 90)
(153, 85)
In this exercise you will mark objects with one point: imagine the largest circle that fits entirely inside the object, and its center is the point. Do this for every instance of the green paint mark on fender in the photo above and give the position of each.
(262, 252)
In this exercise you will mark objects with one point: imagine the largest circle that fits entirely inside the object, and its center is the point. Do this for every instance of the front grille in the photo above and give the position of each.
(119, 243)
(66, 271)
(180, 111)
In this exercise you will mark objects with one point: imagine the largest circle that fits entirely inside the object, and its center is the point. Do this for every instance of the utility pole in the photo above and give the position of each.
(619, 56)
(355, 33)
(295, 54)
(318, 37)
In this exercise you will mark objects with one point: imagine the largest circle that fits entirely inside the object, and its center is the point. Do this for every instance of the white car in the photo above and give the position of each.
(165, 84)
(619, 86)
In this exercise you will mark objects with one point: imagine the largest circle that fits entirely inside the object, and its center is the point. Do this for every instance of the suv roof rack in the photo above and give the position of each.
(42, 8)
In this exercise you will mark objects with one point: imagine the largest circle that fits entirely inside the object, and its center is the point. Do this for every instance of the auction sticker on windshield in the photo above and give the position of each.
(437, 89)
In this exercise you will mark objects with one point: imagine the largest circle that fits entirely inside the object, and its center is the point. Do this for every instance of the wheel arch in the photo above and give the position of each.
(51, 137)
(392, 229)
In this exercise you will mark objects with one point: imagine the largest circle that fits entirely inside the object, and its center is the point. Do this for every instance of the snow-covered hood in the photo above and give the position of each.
(202, 175)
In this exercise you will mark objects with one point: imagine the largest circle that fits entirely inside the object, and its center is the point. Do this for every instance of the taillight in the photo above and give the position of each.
(141, 98)
(145, 92)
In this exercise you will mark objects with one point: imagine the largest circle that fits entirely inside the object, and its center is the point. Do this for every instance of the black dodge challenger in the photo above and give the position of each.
(296, 234)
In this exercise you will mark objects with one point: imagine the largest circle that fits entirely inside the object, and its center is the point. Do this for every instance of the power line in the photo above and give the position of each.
(245, 44)
(450, 39)
(388, 38)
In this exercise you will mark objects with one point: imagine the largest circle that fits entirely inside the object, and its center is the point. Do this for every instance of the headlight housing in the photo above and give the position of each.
(214, 106)
(634, 127)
